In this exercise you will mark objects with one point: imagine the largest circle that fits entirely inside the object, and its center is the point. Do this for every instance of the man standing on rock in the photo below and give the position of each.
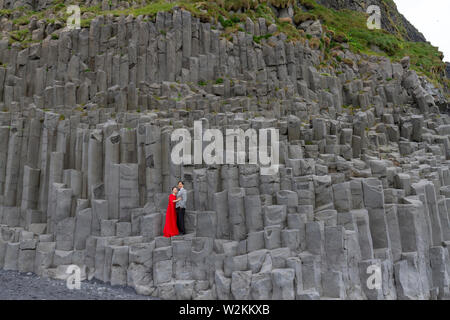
(181, 206)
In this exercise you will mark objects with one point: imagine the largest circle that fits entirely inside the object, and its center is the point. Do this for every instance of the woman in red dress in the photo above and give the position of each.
(170, 227)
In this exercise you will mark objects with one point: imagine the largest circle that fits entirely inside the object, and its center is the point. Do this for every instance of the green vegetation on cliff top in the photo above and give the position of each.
(341, 26)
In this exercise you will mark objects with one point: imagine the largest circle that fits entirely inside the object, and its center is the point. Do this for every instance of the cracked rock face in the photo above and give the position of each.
(86, 167)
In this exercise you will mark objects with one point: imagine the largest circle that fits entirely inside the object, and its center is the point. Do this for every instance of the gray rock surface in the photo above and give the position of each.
(85, 169)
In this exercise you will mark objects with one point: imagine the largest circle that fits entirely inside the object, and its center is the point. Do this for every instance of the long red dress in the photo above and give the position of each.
(170, 227)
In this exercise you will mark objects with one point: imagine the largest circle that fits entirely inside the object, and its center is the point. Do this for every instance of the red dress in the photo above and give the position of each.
(170, 227)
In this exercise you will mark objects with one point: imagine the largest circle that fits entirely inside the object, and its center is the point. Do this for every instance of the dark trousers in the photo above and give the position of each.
(180, 219)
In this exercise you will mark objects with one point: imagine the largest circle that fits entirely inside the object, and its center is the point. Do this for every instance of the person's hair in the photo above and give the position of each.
(174, 188)
(181, 182)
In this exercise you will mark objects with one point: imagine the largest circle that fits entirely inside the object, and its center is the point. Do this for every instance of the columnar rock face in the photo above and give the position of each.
(363, 183)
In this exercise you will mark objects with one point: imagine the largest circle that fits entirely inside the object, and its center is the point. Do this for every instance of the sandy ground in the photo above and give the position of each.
(28, 286)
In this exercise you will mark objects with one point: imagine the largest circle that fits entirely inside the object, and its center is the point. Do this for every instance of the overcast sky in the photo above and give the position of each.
(431, 17)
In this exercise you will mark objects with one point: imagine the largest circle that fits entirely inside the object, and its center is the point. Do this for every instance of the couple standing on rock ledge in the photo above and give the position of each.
(175, 211)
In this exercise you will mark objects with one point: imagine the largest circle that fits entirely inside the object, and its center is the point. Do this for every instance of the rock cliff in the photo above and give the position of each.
(86, 125)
